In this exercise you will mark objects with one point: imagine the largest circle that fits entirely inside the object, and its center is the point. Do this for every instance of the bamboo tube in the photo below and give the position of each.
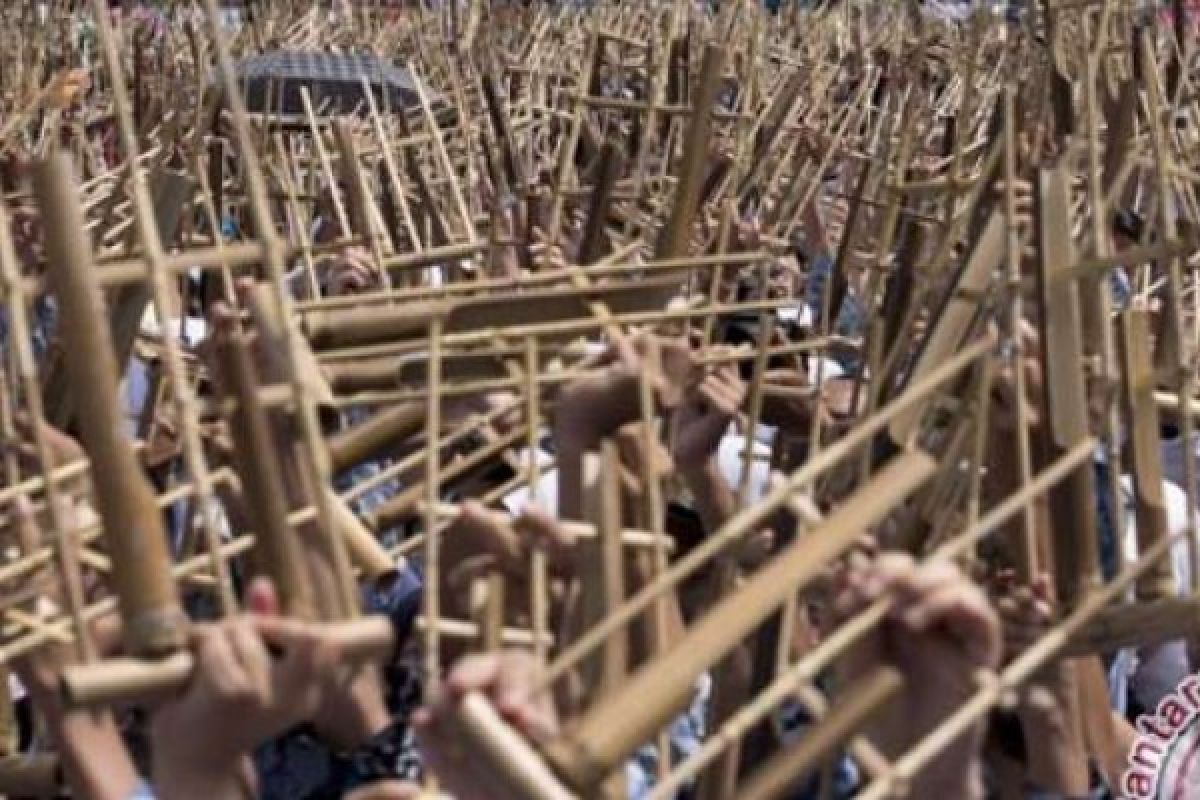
(591, 248)
(154, 621)
(504, 752)
(348, 377)
(1138, 373)
(673, 241)
(381, 431)
(273, 331)
(367, 639)
(600, 565)
(1143, 624)
(365, 551)
(359, 326)
(1073, 504)
(262, 487)
(956, 316)
(606, 734)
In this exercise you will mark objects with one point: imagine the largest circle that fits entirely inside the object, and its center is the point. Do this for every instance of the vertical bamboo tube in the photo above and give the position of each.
(1073, 503)
(601, 567)
(673, 241)
(262, 487)
(1138, 370)
(154, 623)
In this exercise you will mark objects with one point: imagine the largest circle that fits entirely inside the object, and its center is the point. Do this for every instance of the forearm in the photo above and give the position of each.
(95, 760)
(713, 497)
(1059, 762)
(957, 773)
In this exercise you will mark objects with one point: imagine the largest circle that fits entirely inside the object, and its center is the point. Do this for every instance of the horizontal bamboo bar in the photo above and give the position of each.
(128, 680)
(372, 325)
(623, 263)
(1138, 625)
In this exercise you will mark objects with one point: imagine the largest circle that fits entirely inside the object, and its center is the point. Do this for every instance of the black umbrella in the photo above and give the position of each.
(272, 82)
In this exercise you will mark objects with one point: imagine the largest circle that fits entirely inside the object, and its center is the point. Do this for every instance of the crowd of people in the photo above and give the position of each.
(274, 711)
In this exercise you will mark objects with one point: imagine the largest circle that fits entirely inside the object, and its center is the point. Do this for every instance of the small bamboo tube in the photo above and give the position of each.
(607, 733)
(121, 681)
(154, 621)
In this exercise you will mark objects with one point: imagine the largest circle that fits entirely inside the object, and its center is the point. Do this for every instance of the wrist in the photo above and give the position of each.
(181, 773)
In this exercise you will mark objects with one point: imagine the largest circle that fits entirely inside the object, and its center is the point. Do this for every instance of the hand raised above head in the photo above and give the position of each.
(701, 421)
(940, 632)
(599, 402)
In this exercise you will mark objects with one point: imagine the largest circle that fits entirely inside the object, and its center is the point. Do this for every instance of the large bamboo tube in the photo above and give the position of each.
(262, 488)
(1073, 503)
(363, 326)
(154, 622)
(607, 733)
(675, 236)
(1138, 373)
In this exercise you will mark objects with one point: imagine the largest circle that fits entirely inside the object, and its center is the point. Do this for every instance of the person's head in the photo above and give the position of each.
(1127, 228)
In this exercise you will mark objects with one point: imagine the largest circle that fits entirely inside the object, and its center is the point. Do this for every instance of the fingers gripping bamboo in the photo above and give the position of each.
(154, 621)
(368, 639)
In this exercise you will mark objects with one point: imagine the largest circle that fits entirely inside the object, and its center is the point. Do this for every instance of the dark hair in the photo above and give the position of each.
(1129, 224)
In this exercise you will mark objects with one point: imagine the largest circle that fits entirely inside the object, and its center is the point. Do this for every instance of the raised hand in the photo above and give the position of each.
(505, 678)
(256, 676)
(940, 632)
(596, 404)
(701, 421)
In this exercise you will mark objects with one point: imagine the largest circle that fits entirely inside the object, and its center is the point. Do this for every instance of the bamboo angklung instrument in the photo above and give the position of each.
(154, 622)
